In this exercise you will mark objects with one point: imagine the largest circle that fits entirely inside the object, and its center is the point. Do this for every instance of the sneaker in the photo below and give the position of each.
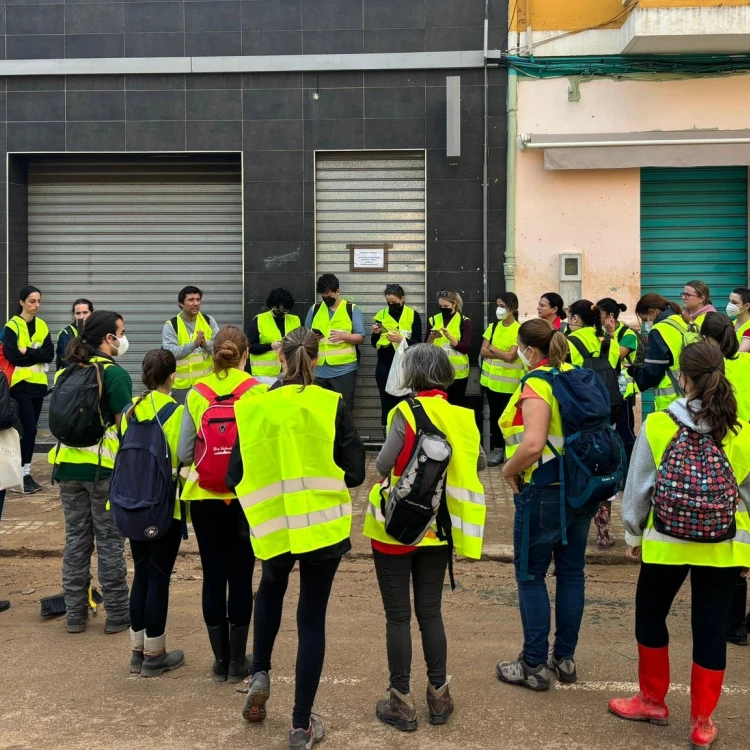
(306, 738)
(34, 484)
(258, 693)
(30, 486)
(564, 669)
(520, 673)
(75, 624)
(4, 604)
(496, 457)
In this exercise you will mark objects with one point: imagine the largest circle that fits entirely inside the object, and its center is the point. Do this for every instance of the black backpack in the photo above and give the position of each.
(604, 371)
(638, 357)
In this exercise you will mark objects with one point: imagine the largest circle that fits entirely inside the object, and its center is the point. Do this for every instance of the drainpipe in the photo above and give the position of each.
(485, 220)
(510, 213)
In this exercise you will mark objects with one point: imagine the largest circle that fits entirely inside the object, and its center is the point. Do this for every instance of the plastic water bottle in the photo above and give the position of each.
(622, 383)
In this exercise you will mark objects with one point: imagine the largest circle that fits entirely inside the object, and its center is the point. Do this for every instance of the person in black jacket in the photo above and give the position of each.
(81, 310)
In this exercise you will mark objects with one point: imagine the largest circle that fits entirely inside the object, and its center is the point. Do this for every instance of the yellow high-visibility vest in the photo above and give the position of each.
(197, 364)
(742, 329)
(463, 490)
(292, 491)
(665, 393)
(330, 353)
(459, 361)
(35, 373)
(630, 387)
(402, 326)
(268, 365)
(587, 336)
(497, 374)
(738, 374)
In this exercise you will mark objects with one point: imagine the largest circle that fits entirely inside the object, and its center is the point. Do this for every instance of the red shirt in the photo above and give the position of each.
(557, 323)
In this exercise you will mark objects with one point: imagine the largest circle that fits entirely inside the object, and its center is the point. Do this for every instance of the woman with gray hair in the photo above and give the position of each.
(428, 372)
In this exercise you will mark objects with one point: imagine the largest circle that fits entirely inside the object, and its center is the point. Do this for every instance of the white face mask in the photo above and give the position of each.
(732, 310)
(501, 313)
(648, 325)
(523, 357)
(122, 346)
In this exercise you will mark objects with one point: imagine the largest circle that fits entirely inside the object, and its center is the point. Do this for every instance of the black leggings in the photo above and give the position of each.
(227, 560)
(497, 403)
(711, 594)
(457, 391)
(387, 402)
(149, 594)
(29, 409)
(426, 569)
(315, 582)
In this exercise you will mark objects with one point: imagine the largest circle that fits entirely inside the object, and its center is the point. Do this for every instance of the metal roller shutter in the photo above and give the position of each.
(128, 234)
(372, 197)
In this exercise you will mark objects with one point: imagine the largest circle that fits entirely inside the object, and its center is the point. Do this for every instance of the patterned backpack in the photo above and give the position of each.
(695, 495)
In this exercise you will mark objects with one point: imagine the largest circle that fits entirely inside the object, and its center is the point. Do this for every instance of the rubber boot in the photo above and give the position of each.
(653, 678)
(398, 710)
(136, 644)
(156, 658)
(705, 691)
(440, 702)
(240, 663)
(736, 623)
(218, 635)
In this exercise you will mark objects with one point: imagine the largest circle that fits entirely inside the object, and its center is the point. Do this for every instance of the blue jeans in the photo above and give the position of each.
(542, 506)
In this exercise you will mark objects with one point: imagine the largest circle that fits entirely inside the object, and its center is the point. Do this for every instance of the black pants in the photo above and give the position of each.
(737, 616)
(29, 409)
(345, 384)
(426, 569)
(149, 594)
(387, 402)
(315, 582)
(227, 560)
(711, 594)
(625, 425)
(497, 403)
(457, 391)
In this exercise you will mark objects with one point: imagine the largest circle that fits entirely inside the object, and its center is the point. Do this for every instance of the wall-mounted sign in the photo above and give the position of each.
(368, 258)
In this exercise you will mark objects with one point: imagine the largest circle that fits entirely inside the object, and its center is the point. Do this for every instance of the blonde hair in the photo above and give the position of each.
(300, 349)
(542, 336)
(230, 346)
(454, 298)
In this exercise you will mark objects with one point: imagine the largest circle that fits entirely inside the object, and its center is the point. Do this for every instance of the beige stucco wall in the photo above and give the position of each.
(597, 212)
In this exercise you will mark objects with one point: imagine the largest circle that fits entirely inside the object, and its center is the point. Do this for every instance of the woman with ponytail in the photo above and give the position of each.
(530, 424)
(296, 455)
(679, 528)
(220, 526)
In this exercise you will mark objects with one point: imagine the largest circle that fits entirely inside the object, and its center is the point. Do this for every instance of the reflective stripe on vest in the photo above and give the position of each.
(403, 325)
(459, 361)
(630, 387)
(34, 373)
(298, 504)
(665, 393)
(196, 365)
(497, 374)
(334, 354)
(267, 364)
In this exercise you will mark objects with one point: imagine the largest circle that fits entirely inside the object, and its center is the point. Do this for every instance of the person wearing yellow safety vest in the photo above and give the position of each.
(428, 372)
(667, 330)
(265, 333)
(531, 423)
(153, 560)
(502, 369)
(220, 525)
(696, 298)
(737, 369)
(341, 329)
(80, 310)
(704, 429)
(84, 474)
(738, 309)
(451, 330)
(296, 455)
(27, 345)
(392, 324)
(190, 337)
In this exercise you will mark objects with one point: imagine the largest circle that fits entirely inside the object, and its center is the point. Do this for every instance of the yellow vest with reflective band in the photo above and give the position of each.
(665, 393)
(106, 448)
(463, 490)
(144, 411)
(666, 550)
(334, 354)
(587, 336)
(497, 374)
(389, 324)
(459, 361)
(292, 491)
(268, 365)
(630, 389)
(196, 405)
(741, 330)
(513, 433)
(36, 373)
(738, 374)
(197, 364)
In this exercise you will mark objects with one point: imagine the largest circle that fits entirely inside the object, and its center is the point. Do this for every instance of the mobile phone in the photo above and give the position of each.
(317, 332)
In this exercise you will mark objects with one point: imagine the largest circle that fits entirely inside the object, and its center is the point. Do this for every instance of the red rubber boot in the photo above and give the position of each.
(705, 691)
(653, 677)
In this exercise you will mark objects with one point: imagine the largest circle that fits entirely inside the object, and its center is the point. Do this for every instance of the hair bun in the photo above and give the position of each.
(623, 307)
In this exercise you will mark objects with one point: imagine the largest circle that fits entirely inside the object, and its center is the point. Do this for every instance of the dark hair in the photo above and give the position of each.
(703, 363)
(395, 289)
(300, 348)
(555, 300)
(188, 290)
(612, 307)
(97, 327)
(655, 302)
(230, 346)
(718, 327)
(589, 313)
(702, 289)
(744, 294)
(158, 365)
(427, 368)
(280, 298)
(510, 301)
(541, 335)
(327, 283)
(24, 295)
(81, 301)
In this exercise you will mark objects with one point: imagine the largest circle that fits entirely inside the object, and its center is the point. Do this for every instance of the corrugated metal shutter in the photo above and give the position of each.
(128, 234)
(693, 226)
(372, 197)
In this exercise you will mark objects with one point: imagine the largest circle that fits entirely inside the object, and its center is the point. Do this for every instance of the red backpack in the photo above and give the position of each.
(217, 436)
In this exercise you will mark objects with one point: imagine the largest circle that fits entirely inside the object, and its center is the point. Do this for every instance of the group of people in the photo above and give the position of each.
(283, 493)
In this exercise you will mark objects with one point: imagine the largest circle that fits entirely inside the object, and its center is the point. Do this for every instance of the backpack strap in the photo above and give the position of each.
(316, 307)
(208, 393)
(349, 310)
(423, 422)
(243, 388)
(173, 323)
(621, 333)
(578, 344)
(166, 411)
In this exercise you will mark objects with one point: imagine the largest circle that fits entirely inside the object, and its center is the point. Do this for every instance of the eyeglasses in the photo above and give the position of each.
(688, 294)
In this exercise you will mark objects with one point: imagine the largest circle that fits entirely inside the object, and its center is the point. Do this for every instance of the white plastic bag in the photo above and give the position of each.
(393, 384)
(11, 471)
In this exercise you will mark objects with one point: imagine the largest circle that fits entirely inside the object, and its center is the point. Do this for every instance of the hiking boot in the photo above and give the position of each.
(30, 486)
(306, 738)
(240, 663)
(75, 624)
(496, 457)
(255, 704)
(398, 710)
(440, 703)
(218, 635)
(34, 484)
(737, 635)
(4, 604)
(136, 655)
(520, 673)
(116, 626)
(156, 658)
(564, 669)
